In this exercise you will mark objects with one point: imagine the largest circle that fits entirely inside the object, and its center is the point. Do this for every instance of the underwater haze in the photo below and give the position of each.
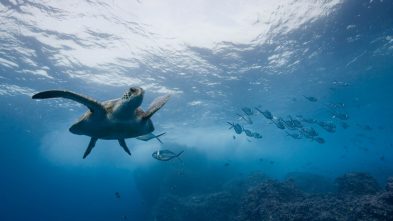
(284, 109)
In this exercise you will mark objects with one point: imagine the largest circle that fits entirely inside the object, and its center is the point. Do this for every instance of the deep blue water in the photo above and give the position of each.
(213, 62)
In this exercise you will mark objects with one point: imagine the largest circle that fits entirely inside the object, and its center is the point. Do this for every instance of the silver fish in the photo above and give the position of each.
(150, 136)
(165, 155)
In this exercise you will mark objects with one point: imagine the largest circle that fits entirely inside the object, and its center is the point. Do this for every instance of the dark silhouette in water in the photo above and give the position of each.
(312, 99)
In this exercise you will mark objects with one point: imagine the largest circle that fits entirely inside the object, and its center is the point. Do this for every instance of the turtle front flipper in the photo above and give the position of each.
(123, 144)
(93, 105)
(91, 145)
(155, 106)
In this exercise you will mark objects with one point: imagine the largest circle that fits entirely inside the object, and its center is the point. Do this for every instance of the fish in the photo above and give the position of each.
(341, 116)
(319, 140)
(279, 123)
(328, 126)
(245, 118)
(296, 123)
(312, 99)
(150, 136)
(248, 133)
(294, 136)
(289, 125)
(337, 105)
(267, 114)
(117, 194)
(309, 132)
(248, 111)
(292, 124)
(257, 135)
(341, 83)
(309, 120)
(344, 125)
(165, 155)
(237, 127)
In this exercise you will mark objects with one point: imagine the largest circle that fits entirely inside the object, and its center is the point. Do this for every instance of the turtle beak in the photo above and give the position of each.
(75, 129)
(136, 91)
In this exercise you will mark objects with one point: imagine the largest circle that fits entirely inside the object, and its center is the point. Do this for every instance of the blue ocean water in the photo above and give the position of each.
(214, 59)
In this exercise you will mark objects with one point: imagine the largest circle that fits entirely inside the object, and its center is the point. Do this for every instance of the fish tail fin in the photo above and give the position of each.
(178, 155)
(158, 137)
(230, 126)
(259, 110)
(241, 116)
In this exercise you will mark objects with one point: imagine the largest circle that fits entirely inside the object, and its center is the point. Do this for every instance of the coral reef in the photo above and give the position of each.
(357, 197)
(310, 183)
(215, 206)
(356, 184)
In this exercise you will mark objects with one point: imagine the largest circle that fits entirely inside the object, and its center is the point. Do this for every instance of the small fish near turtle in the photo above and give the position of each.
(116, 119)
(150, 136)
(166, 155)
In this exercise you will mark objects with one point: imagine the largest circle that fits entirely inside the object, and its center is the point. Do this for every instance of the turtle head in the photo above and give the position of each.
(133, 96)
(81, 125)
(76, 129)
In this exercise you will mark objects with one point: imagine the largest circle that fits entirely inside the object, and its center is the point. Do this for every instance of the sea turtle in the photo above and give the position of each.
(116, 119)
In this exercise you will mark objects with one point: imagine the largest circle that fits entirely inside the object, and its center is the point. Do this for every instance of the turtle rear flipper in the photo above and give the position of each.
(155, 106)
(90, 147)
(123, 144)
